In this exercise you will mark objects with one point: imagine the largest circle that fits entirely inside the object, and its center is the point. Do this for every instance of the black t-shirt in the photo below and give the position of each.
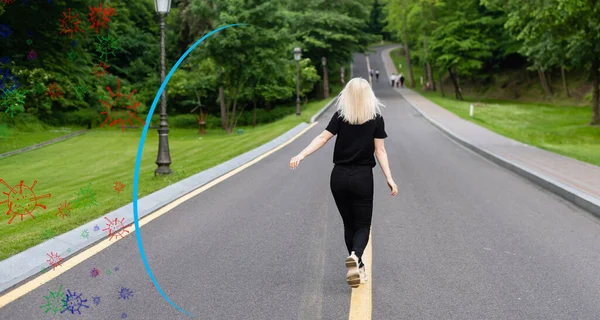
(354, 143)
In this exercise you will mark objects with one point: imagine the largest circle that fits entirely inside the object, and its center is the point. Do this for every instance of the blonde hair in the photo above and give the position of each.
(357, 103)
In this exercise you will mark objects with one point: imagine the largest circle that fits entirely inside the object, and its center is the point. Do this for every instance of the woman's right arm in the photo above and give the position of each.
(382, 158)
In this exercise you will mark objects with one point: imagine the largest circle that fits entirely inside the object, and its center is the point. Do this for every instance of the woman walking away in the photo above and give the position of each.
(361, 130)
(402, 80)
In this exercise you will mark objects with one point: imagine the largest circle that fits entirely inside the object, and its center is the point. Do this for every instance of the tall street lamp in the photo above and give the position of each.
(163, 160)
(297, 55)
(325, 77)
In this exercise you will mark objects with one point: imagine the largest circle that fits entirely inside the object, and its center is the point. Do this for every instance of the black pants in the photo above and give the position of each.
(352, 188)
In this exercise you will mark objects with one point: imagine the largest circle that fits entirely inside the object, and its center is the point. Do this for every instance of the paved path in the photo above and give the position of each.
(464, 239)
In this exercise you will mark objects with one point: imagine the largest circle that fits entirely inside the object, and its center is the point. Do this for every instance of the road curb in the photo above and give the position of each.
(43, 144)
(573, 195)
(27, 264)
(320, 113)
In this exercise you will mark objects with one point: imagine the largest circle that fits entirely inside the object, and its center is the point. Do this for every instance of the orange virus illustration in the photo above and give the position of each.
(54, 259)
(120, 106)
(54, 91)
(115, 228)
(64, 209)
(69, 23)
(99, 16)
(100, 69)
(119, 186)
(22, 200)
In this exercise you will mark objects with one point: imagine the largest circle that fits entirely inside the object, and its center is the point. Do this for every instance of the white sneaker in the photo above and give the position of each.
(363, 275)
(353, 276)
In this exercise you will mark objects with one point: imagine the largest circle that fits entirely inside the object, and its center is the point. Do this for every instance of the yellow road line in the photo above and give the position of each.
(369, 70)
(361, 300)
(84, 255)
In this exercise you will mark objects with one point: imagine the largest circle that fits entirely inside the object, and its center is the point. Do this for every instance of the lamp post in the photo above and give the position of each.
(297, 55)
(163, 160)
(325, 78)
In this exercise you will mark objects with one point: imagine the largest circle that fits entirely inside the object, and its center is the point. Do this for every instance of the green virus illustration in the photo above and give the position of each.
(39, 88)
(13, 100)
(55, 301)
(29, 42)
(80, 91)
(106, 45)
(48, 233)
(86, 197)
(85, 234)
(72, 55)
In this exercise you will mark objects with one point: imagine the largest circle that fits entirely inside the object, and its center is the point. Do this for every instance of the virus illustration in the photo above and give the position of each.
(72, 55)
(74, 43)
(125, 293)
(4, 60)
(96, 228)
(54, 90)
(24, 200)
(8, 82)
(7, 1)
(47, 105)
(106, 45)
(115, 228)
(119, 187)
(96, 300)
(69, 250)
(29, 42)
(99, 16)
(13, 101)
(108, 272)
(80, 91)
(69, 23)
(48, 233)
(120, 106)
(4, 31)
(54, 259)
(32, 55)
(85, 198)
(64, 209)
(100, 69)
(116, 269)
(73, 302)
(123, 315)
(4, 131)
(54, 301)
(85, 234)
(39, 88)
(94, 273)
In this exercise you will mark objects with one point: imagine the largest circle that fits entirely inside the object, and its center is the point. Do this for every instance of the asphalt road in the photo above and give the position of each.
(464, 239)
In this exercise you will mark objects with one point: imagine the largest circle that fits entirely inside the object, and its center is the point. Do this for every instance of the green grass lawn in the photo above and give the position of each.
(561, 129)
(20, 139)
(103, 156)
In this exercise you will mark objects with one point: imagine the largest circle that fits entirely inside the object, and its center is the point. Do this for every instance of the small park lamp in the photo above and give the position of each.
(163, 160)
(297, 56)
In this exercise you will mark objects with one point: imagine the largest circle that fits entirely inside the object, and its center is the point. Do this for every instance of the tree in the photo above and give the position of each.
(397, 22)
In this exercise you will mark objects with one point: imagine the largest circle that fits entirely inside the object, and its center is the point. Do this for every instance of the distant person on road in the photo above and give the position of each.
(402, 80)
(377, 74)
(371, 73)
(360, 128)
(393, 79)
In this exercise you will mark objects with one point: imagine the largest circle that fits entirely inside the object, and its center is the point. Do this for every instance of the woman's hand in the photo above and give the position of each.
(393, 187)
(296, 161)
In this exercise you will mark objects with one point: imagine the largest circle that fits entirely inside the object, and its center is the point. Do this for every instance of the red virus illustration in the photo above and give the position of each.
(95, 272)
(54, 260)
(7, 1)
(119, 187)
(115, 228)
(70, 24)
(120, 106)
(99, 16)
(32, 55)
(54, 91)
(22, 200)
(64, 209)
(100, 69)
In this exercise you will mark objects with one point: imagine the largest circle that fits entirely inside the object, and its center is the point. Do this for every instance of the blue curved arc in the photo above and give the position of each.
(139, 158)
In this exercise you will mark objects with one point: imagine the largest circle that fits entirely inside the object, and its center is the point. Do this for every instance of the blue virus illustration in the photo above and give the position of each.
(4, 31)
(95, 272)
(54, 301)
(85, 234)
(125, 293)
(86, 197)
(123, 315)
(74, 43)
(73, 302)
(116, 269)
(96, 300)
(96, 228)
(8, 82)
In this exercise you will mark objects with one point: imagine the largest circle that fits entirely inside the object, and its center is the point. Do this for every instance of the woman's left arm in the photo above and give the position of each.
(315, 145)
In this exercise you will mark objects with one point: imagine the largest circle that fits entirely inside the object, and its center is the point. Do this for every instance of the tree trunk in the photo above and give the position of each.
(456, 86)
(433, 86)
(232, 117)
(544, 82)
(595, 92)
(222, 101)
(427, 64)
(564, 80)
(442, 84)
(411, 79)
(254, 116)
(325, 79)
